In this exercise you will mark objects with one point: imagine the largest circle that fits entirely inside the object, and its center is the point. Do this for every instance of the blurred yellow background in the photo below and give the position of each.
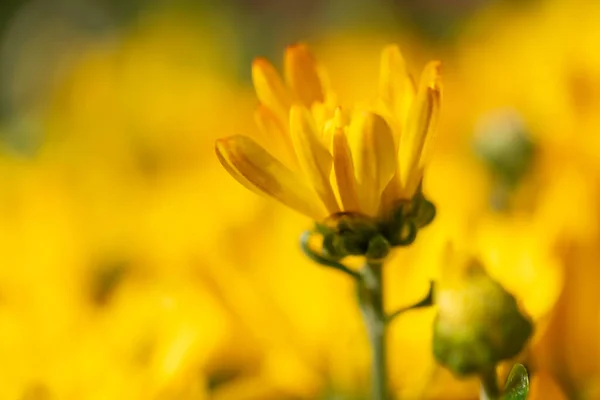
(134, 267)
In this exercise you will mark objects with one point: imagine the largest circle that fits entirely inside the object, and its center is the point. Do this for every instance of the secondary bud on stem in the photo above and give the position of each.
(478, 323)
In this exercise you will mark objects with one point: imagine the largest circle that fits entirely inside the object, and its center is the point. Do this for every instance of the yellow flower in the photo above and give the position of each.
(331, 160)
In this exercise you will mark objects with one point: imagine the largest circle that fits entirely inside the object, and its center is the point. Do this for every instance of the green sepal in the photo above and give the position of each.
(396, 220)
(323, 258)
(352, 244)
(517, 384)
(406, 234)
(378, 248)
(425, 214)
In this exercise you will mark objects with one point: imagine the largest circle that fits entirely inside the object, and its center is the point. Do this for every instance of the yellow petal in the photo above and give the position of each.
(303, 76)
(256, 169)
(276, 136)
(396, 86)
(416, 140)
(343, 166)
(390, 195)
(313, 156)
(322, 114)
(270, 89)
(372, 146)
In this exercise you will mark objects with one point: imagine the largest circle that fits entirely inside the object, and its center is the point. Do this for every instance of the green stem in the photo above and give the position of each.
(371, 303)
(489, 385)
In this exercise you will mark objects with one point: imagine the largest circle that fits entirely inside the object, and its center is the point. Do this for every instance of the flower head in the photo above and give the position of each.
(321, 160)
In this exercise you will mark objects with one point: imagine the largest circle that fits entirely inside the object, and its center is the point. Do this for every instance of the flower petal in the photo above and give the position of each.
(313, 157)
(270, 89)
(396, 86)
(415, 142)
(277, 139)
(343, 165)
(373, 150)
(303, 76)
(255, 168)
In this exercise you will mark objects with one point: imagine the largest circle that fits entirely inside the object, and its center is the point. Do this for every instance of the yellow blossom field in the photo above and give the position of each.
(300, 200)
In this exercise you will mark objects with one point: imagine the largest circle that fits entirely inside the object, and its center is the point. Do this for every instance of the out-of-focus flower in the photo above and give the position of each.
(103, 227)
(361, 176)
(558, 194)
(479, 323)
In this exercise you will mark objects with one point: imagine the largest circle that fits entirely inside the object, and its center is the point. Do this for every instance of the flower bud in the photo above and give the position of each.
(478, 323)
(503, 142)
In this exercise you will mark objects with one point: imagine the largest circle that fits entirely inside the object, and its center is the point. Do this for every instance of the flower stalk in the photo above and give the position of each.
(372, 307)
(489, 385)
(354, 234)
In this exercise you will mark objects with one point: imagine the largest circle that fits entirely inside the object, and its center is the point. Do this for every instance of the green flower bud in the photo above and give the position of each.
(502, 141)
(478, 323)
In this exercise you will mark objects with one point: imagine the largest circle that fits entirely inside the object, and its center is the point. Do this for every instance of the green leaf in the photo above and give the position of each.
(517, 384)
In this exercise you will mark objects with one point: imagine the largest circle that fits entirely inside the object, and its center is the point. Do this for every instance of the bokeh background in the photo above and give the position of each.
(134, 267)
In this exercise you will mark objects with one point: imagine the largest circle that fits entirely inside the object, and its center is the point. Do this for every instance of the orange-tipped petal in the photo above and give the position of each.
(313, 156)
(270, 89)
(303, 76)
(416, 141)
(343, 165)
(373, 151)
(255, 168)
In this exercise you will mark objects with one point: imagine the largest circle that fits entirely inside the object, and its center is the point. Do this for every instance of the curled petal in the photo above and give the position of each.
(416, 141)
(313, 156)
(270, 89)
(303, 75)
(255, 168)
(373, 150)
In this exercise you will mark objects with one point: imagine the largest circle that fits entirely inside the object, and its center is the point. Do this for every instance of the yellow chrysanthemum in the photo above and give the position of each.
(332, 160)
